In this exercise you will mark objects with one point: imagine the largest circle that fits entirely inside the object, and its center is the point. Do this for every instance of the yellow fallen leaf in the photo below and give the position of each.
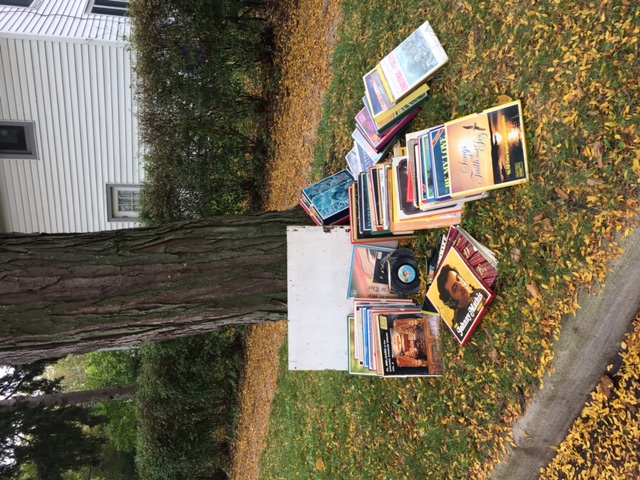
(562, 194)
(598, 149)
(592, 182)
(533, 289)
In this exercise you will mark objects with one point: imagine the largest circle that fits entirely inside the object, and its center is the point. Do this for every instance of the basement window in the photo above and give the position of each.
(109, 7)
(17, 140)
(123, 202)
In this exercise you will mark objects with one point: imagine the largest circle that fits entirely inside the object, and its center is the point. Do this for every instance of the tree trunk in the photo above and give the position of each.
(70, 398)
(76, 293)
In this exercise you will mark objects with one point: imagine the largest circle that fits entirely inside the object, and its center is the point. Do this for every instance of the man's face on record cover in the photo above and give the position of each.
(458, 289)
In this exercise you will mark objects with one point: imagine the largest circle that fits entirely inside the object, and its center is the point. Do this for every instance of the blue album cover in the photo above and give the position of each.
(440, 159)
(331, 195)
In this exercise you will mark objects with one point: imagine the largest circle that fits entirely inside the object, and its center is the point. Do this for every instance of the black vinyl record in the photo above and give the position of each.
(404, 274)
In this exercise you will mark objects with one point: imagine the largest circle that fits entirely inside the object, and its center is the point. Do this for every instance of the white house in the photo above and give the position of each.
(69, 150)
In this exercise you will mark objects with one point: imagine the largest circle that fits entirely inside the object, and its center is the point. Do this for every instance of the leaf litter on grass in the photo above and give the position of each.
(304, 46)
(555, 235)
(305, 34)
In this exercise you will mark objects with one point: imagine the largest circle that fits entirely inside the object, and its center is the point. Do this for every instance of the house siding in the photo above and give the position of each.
(63, 19)
(77, 92)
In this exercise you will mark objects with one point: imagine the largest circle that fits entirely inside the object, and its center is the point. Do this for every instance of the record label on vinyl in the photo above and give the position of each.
(404, 276)
(406, 273)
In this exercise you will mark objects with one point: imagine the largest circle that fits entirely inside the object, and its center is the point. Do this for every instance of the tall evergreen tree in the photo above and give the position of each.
(51, 439)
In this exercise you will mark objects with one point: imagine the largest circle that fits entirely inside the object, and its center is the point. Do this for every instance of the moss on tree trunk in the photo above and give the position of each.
(75, 293)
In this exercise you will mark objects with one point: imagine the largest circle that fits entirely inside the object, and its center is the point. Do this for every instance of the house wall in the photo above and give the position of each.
(63, 19)
(77, 92)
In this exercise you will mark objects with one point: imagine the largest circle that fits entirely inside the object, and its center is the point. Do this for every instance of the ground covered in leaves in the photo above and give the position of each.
(575, 67)
(306, 32)
(258, 388)
(603, 442)
(305, 37)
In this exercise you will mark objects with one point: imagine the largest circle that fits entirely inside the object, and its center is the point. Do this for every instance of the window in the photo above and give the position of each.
(109, 7)
(17, 140)
(17, 3)
(123, 202)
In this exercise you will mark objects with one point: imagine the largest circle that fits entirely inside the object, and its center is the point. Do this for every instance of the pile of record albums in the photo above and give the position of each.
(397, 182)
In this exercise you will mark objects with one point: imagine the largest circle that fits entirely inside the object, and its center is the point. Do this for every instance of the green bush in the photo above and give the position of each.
(111, 369)
(203, 127)
(186, 405)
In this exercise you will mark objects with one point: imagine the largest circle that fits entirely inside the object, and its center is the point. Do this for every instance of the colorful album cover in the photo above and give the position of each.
(487, 150)
(408, 344)
(368, 128)
(459, 296)
(364, 204)
(413, 62)
(407, 210)
(379, 140)
(374, 192)
(429, 194)
(356, 351)
(406, 217)
(387, 239)
(376, 94)
(440, 161)
(479, 258)
(330, 196)
(367, 278)
(401, 109)
(353, 161)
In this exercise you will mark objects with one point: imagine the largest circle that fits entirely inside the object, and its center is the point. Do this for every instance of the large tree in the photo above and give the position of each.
(76, 293)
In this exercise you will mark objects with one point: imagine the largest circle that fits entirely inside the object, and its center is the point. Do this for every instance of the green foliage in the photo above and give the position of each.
(101, 370)
(113, 465)
(111, 369)
(71, 370)
(186, 401)
(48, 441)
(202, 119)
(122, 423)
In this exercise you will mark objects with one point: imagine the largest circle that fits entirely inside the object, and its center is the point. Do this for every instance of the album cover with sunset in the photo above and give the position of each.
(486, 150)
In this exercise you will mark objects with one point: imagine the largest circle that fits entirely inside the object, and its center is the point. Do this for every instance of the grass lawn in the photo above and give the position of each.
(574, 65)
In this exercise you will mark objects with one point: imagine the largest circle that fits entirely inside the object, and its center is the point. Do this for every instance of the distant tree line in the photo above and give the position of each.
(185, 407)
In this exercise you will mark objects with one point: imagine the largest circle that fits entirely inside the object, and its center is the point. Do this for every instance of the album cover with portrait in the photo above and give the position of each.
(459, 295)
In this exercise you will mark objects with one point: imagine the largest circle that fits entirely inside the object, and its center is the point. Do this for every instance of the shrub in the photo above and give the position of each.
(186, 401)
(202, 122)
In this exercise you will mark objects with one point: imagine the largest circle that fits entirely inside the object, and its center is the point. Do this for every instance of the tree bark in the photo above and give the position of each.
(70, 398)
(76, 293)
